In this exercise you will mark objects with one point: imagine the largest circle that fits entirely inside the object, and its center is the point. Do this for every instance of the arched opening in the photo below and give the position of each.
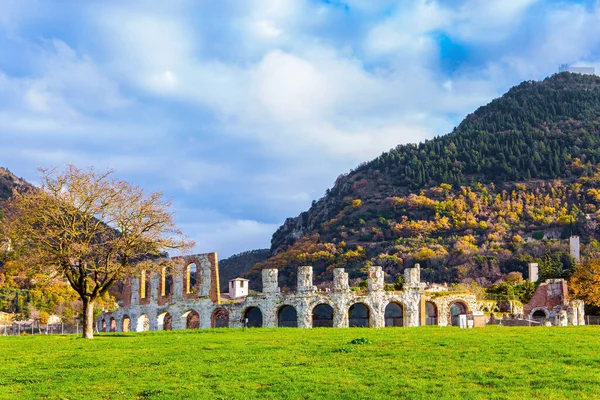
(431, 315)
(220, 318)
(539, 315)
(143, 323)
(192, 319)
(166, 282)
(113, 324)
(143, 285)
(394, 315)
(456, 310)
(103, 325)
(165, 322)
(358, 316)
(126, 323)
(191, 278)
(253, 317)
(322, 316)
(287, 317)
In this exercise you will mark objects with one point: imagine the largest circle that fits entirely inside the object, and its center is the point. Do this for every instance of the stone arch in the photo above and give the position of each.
(143, 323)
(191, 278)
(394, 314)
(457, 308)
(358, 315)
(166, 282)
(219, 318)
(322, 316)
(103, 325)
(287, 316)
(113, 324)
(126, 323)
(431, 313)
(254, 317)
(164, 321)
(190, 319)
(539, 314)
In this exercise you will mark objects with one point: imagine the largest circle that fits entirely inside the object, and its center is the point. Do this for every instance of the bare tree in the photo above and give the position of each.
(90, 228)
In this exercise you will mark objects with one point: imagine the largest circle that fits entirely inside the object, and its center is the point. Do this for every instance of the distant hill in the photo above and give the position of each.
(238, 264)
(465, 205)
(9, 182)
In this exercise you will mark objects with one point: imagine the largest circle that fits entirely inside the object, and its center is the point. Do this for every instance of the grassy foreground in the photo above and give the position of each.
(419, 363)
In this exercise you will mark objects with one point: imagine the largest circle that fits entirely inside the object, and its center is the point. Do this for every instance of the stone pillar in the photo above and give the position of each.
(205, 278)
(269, 280)
(340, 313)
(269, 313)
(178, 288)
(153, 317)
(422, 311)
(154, 288)
(375, 279)
(305, 279)
(377, 310)
(304, 314)
(412, 276)
(135, 291)
(205, 312)
(580, 313)
(235, 317)
(340, 280)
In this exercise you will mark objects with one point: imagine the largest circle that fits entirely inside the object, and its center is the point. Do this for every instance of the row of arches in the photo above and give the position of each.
(322, 316)
(359, 315)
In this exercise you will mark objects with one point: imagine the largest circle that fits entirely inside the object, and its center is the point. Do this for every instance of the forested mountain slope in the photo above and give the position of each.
(465, 204)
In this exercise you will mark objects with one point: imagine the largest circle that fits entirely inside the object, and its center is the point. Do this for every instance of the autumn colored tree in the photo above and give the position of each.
(585, 282)
(90, 228)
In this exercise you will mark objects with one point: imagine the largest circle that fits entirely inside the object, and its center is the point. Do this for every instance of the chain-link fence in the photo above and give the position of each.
(35, 328)
(592, 319)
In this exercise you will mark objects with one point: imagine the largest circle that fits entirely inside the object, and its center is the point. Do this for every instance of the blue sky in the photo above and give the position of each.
(244, 111)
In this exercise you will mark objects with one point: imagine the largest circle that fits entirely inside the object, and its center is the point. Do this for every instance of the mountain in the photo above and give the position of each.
(9, 182)
(474, 204)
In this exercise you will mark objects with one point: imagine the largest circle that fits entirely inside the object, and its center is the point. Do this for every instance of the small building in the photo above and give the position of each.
(238, 287)
(551, 304)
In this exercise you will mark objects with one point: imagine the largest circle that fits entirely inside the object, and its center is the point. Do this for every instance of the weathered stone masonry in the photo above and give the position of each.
(187, 296)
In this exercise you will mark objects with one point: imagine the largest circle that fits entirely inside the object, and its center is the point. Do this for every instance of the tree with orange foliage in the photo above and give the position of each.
(89, 228)
(585, 282)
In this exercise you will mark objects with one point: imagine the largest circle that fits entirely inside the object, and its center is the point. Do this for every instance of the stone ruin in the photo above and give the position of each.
(187, 296)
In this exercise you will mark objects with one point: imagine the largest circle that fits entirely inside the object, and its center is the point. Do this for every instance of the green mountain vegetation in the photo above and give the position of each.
(504, 188)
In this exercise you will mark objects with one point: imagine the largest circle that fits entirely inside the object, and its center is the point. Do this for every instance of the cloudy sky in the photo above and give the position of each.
(245, 111)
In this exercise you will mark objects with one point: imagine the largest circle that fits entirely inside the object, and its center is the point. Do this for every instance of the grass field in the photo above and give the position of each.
(419, 363)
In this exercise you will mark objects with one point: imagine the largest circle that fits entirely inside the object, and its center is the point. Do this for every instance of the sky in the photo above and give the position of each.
(243, 112)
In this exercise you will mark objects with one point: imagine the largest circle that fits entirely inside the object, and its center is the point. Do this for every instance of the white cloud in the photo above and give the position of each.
(254, 108)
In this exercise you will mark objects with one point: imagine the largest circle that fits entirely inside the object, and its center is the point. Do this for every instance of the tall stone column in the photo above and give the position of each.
(135, 291)
(340, 280)
(205, 277)
(305, 279)
(154, 288)
(178, 272)
(269, 280)
(375, 279)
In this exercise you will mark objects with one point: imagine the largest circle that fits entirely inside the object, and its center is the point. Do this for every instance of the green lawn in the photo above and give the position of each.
(415, 363)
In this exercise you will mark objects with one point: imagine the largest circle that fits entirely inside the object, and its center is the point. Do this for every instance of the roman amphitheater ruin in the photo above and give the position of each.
(187, 296)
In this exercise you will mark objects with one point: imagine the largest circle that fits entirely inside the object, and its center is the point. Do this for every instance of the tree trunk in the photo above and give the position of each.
(88, 318)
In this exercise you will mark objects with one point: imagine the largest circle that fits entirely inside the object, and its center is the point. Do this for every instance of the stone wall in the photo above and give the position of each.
(202, 308)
